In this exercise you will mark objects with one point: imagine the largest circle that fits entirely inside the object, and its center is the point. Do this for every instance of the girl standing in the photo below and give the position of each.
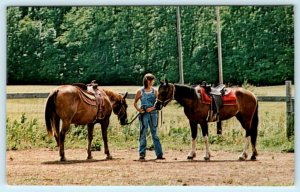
(148, 118)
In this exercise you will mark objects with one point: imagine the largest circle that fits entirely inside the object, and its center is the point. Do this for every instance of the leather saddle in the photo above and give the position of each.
(227, 95)
(91, 95)
(228, 98)
(216, 97)
(218, 90)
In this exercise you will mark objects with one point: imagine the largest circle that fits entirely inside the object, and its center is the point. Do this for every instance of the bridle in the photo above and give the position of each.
(164, 103)
(122, 108)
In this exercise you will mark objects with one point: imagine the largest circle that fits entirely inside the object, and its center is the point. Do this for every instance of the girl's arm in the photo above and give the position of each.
(136, 99)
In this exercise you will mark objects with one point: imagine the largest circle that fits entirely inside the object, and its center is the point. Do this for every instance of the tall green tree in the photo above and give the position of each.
(256, 41)
(118, 45)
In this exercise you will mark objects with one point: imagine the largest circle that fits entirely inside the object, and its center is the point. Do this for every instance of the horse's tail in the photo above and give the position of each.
(254, 126)
(51, 117)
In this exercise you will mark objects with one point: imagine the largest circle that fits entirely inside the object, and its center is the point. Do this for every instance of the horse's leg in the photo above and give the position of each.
(56, 135)
(246, 126)
(104, 125)
(204, 128)
(62, 135)
(254, 126)
(90, 138)
(244, 154)
(194, 132)
(57, 140)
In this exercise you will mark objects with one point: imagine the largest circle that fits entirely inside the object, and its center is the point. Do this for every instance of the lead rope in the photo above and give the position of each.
(161, 117)
(136, 116)
(161, 121)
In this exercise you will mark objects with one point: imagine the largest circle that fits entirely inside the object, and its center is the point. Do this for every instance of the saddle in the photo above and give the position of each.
(91, 95)
(216, 97)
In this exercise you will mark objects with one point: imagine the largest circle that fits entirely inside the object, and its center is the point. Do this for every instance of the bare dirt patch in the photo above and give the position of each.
(41, 167)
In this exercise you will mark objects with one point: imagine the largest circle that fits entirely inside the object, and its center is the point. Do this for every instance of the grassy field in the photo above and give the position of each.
(26, 128)
(259, 91)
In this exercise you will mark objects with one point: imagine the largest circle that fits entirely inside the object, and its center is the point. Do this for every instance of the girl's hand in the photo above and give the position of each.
(150, 109)
(141, 111)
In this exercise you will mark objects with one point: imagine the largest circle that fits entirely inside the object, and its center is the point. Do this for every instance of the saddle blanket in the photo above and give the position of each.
(228, 99)
(94, 99)
(87, 97)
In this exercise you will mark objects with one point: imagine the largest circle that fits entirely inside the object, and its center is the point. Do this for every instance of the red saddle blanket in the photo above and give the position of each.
(228, 99)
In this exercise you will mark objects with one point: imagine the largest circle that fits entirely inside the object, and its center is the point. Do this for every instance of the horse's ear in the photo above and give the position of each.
(125, 95)
(161, 82)
(167, 81)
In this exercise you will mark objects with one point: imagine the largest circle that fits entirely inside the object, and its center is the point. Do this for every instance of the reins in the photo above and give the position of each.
(157, 119)
(136, 116)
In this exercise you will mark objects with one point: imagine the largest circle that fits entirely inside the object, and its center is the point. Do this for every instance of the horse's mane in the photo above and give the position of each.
(184, 91)
(113, 96)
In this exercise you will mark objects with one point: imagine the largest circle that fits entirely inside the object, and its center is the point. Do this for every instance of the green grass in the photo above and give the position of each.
(259, 91)
(26, 128)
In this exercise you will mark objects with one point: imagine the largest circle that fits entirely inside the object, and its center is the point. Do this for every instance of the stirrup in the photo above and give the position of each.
(216, 117)
(212, 117)
(209, 116)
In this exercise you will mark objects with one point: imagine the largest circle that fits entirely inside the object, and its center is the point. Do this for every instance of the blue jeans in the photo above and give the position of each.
(149, 120)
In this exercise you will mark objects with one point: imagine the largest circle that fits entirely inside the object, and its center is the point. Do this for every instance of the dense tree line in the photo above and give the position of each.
(118, 45)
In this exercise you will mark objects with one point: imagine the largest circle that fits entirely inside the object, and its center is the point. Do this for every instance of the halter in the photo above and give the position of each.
(164, 103)
(122, 107)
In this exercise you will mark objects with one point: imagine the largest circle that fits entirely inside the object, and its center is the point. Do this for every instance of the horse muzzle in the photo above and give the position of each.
(158, 105)
(123, 121)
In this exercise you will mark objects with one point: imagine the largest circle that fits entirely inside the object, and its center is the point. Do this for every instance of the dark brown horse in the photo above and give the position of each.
(245, 110)
(65, 103)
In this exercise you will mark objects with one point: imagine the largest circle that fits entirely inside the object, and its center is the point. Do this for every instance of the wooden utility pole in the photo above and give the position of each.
(179, 44)
(219, 46)
(219, 123)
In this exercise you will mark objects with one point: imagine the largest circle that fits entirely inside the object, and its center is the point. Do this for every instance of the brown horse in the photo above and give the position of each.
(245, 110)
(65, 103)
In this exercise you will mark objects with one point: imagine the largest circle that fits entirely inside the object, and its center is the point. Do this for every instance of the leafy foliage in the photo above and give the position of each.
(117, 45)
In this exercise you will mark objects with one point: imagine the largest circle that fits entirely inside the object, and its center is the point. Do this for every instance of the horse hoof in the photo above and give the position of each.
(62, 159)
(89, 157)
(206, 158)
(190, 157)
(253, 158)
(109, 157)
(243, 156)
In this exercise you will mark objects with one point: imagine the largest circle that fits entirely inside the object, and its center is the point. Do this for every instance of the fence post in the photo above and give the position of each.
(289, 110)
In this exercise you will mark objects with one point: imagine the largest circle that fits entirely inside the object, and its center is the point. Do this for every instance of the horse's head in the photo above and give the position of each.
(165, 94)
(120, 109)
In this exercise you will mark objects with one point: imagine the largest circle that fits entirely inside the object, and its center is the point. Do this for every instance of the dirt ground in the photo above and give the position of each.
(41, 167)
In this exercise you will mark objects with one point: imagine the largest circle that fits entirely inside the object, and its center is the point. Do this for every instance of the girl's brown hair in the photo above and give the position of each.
(148, 76)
